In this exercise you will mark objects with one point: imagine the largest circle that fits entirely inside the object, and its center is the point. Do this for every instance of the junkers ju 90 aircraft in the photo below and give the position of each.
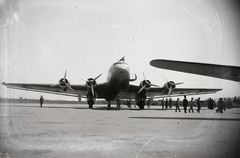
(117, 84)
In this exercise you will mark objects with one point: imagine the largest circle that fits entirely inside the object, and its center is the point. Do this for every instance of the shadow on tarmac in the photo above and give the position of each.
(188, 118)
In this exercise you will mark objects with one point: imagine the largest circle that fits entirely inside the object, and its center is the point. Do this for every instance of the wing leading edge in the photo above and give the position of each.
(46, 88)
(163, 92)
(80, 90)
(213, 70)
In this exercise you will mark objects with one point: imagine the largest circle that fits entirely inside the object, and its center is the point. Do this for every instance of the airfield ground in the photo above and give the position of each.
(26, 130)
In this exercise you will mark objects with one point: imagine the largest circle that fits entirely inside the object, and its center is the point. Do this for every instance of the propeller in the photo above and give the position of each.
(91, 82)
(171, 85)
(63, 82)
(147, 83)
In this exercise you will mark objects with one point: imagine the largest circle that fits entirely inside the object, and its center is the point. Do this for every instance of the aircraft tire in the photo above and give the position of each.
(141, 105)
(90, 103)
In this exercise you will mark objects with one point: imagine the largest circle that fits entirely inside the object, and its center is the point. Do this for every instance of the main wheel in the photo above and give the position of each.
(141, 104)
(90, 103)
(109, 104)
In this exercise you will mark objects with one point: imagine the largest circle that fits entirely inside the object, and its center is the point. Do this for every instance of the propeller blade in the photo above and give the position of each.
(154, 85)
(69, 86)
(97, 77)
(65, 75)
(170, 90)
(83, 79)
(179, 83)
(165, 78)
(143, 75)
(141, 89)
(55, 85)
(92, 90)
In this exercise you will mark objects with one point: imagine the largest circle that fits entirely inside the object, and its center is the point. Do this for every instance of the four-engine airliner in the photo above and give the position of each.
(117, 84)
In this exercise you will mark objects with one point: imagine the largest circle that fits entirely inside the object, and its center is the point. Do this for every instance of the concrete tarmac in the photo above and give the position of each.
(26, 130)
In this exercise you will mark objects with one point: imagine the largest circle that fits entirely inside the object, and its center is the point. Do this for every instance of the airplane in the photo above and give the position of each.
(214, 70)
(117, 84)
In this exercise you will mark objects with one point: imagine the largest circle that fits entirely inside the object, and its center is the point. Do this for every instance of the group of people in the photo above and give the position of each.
(185, 103)
(191, 103)
(167, 103)
(221, 105)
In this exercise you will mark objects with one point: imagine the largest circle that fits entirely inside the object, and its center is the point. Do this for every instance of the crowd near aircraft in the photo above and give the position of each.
(213, 70)
(117, 84)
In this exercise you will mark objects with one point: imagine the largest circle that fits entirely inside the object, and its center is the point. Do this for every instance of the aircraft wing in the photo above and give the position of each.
(163, 92)
(46, 88)
(81, 90)
(213, 70)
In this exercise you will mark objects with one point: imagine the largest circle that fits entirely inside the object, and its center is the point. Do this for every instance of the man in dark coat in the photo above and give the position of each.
(185, 104)
(41, 100)
(198, 105)
(118, 103)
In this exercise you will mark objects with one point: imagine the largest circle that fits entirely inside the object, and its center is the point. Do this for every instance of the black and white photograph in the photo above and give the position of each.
(118, 78)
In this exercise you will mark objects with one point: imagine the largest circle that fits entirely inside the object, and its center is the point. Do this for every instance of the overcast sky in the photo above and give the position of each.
(41, 39)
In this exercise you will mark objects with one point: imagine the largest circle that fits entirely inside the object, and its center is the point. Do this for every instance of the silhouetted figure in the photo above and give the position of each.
(229, 103)
(235, 99)
(191, 105)
(163, 104)
(210, 103)
(185, 104)
(220, 105)
(118, 103)
(177, 106)
(41, 100)
(166, 104)
(224, 104)
(170, 103)
(198, 105)
(148, 103)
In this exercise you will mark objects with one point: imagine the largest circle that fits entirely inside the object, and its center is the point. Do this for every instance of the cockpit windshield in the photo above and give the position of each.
(121, 61)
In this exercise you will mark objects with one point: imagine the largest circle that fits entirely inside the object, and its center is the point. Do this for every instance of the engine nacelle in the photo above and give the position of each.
(145, 84)
(91, 83)
(63, 82)
(170, 84)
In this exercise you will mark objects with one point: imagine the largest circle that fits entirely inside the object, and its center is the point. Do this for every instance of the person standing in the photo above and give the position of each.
(177, 106)
(170, 103)
(148, 103)
(163, 104)
(41, 100)
(166, 104)
(118, 103)
(191, 106)
(185, 104)
(198, 105)
(220, 105)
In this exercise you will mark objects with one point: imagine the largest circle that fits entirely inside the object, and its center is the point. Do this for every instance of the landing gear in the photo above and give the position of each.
(90, 103)
(140, 100)
(141, 104)
(90, 100)
(109, 104)
(128, 103)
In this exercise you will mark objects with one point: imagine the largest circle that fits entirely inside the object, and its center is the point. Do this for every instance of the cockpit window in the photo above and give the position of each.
(120, 63)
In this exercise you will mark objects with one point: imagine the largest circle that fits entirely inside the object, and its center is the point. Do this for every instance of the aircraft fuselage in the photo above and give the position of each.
(117, 80)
